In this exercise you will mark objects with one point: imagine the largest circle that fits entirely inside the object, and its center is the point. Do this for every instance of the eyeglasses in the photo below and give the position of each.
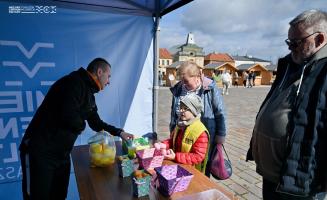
(184, 109)
(294, 43)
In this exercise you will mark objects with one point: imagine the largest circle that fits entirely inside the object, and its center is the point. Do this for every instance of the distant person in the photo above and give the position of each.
(49, 139)
(164, 79)
(226, 79)
(171, 78)
(160, 77)
(289, 140)
(250, 79)
(253, 78)
(236, 77)
(189, 141)
(213, 115)
(245, 78)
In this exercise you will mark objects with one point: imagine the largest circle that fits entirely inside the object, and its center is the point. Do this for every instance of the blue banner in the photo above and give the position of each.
(39, 45)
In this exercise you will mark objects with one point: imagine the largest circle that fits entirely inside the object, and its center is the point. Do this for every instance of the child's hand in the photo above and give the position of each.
(170, 155)
(159, 145)
(163, 152)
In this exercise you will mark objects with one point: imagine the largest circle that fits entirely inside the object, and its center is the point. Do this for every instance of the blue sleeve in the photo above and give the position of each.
(219, 111)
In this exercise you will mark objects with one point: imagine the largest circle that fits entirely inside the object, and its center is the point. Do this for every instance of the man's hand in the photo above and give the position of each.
(126, 136)
(170, 155)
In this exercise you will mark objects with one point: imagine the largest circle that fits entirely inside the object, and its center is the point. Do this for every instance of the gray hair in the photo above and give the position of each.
(311, 20)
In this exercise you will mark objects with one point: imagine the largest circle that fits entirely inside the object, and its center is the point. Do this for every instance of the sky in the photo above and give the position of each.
(256, 28)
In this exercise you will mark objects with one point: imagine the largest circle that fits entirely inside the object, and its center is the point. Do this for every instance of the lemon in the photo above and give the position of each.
(96, 158)
(96, 148)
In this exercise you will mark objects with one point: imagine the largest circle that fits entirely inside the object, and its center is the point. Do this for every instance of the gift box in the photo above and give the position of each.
(172, 178)
(149, 158)
(125, 166)
(131, 146)
(141, 183)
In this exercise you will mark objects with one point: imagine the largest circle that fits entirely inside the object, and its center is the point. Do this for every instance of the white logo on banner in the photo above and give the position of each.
(17, 105)
(29, 55)
(32, 73)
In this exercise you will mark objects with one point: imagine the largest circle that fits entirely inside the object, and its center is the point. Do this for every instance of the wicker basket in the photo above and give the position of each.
(149, 158)
(172, 178)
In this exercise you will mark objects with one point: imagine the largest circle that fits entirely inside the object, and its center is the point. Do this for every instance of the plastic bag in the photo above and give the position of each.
(131, 146)
(102, 149)
(220, 168)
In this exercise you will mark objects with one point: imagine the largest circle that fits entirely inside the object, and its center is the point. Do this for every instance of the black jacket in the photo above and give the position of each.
(62, 114)
(304, 170)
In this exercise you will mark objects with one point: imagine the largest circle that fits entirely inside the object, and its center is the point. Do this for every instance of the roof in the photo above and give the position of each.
(223, 57)
(176, 64)
(213, 65)
(249, 58)
(271, 67)
(217, 65)
(249, 66)
(164, 54)
(245, 66)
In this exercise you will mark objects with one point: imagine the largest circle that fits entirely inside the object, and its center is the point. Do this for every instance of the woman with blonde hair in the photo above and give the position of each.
(213, 115)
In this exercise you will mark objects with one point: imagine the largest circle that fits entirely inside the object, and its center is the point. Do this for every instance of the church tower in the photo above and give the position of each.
(190, 51)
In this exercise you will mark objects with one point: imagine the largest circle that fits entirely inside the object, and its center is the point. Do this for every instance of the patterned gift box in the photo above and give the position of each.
(172, 178)
(141, 186)
(125, 166)
(149, 158)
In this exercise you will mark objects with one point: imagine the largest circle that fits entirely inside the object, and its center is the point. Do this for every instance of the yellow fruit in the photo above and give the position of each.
(131, 152)
(110, 152)
(105, 161)
(96, 158)
(102, 155)
(96, 148)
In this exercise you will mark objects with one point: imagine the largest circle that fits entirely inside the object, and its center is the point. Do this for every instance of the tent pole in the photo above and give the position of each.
(155, 73)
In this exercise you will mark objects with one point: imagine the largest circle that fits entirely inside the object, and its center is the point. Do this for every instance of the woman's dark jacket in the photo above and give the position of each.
(62, 114)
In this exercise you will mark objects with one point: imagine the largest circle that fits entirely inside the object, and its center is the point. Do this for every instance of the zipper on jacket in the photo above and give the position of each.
(301, 79)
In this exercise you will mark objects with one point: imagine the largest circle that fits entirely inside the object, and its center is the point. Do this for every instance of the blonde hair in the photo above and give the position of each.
(189, 68)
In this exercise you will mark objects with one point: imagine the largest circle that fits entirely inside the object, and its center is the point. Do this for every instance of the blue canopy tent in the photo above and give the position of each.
(40, 41)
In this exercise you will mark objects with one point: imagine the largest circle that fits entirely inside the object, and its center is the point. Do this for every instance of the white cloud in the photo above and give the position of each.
(256, 27)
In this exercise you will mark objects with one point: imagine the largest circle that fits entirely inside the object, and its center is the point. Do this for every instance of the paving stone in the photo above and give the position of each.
(259, 185)
(245, 184)
(255, 190)
(253, 173)
(238, 189)
(248, 178)
(251, 196)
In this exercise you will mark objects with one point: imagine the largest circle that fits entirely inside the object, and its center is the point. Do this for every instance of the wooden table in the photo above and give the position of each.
(105, 183)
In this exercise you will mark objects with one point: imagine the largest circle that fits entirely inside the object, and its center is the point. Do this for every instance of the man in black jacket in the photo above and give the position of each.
(47, 143)
(289, 141)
